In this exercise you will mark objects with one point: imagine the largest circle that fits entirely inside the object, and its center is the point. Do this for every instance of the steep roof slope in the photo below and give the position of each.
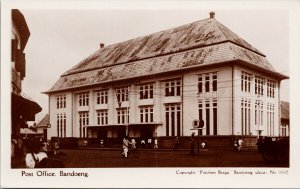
(285, 110)
(44, 122)
(197, 34)
(200, 43)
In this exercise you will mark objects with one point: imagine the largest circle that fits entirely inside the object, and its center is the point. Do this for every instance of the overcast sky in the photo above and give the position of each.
(62, 38)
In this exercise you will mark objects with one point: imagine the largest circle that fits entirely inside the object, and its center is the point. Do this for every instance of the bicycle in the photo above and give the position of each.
(132, 152)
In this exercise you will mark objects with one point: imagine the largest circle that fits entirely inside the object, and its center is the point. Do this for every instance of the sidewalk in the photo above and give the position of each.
(163, 149)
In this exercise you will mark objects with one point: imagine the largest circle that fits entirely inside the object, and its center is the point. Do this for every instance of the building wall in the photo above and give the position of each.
(16, 78)
(188, 102)
(54, 112)
(264, 125)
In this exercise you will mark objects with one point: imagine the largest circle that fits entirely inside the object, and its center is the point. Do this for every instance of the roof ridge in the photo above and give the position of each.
(229, 38)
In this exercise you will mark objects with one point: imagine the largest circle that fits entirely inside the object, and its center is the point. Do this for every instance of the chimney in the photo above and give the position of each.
(101, 45)
(212, 14)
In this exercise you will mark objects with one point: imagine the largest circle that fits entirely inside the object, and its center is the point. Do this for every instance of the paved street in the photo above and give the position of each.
(150, 158)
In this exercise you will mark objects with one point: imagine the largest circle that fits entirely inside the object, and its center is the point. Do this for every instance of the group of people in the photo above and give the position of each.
(36, 152)
(126, 145)
(132, 144)
(149, 143)
(41, 154)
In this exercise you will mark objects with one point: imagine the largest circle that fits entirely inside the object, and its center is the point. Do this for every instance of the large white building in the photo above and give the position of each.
(157, 85)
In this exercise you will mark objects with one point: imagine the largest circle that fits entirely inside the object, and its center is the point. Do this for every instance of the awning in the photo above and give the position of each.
(25, 108)
(28, 131)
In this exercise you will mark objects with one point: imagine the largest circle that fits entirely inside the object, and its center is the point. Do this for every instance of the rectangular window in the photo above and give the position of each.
(284, 130)
(200, 84)
(259, 113)
(200, 107)
(268, 119)
(242, 82)
(146, 91)
(242, 118)
(246, 82)
(102, 117)
(178, 118)
(270, 88)
(102, 97)
(123, 115)
(215, 117)
(64, 124)
(122, 94)
(61, 125)
(167, 120)
(209, 79)
(58, 124)
(146, 114)
(246, 120)
(173, 87)
(259, 85)
(61, 101)
(215, 82)
(83, 121)
(249, 117)
(173, 120)
(83, 99)
(246, 116)
(272, 119)
(207, 110)
(206, 82)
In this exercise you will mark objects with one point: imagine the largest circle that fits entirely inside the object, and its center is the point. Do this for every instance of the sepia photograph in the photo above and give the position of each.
(198, 92)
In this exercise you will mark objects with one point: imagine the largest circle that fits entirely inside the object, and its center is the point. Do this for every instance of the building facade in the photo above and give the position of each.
(157, 85)
(23, 107)
(285, 119)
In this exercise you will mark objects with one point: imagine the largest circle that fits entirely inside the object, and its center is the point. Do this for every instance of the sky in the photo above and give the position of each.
(60, 39)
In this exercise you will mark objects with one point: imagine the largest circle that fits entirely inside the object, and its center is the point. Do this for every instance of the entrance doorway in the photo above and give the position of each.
(146, 132)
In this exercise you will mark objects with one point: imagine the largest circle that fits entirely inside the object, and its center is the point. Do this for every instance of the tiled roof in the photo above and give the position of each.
(193, 35)
(285, 110)
(197, 44)
(44, 122)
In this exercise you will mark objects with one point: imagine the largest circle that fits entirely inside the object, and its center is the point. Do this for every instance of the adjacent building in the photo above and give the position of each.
(285, 119)
(23, 107)
(159, 84)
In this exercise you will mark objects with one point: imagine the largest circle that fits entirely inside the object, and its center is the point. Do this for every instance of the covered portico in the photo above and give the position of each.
(132, 130)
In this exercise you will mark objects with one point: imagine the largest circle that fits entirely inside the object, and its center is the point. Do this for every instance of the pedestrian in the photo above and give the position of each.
(20, 146)
(155, 144)
(34, 155)
(240, 143)
(25, 146)
(45, 146)
(176, 143)
(149, 143)
(133, 144)
(35, 158)
(85, 143)
(56, 147)
(193, 143)
(13, 147)
(143, 143)
(204, 145)
(125, 146)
